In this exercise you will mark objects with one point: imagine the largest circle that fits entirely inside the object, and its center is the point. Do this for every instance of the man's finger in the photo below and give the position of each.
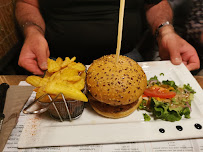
(192, 60)
(32, 66)
(192, 66)
(42, 60)
(193, 63)
(175, 57)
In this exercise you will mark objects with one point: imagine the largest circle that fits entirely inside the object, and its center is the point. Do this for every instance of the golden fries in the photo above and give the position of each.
(78, 66)
(34, 80)
(67, 77)
(59, 61)
(68, 90)
(53, 66)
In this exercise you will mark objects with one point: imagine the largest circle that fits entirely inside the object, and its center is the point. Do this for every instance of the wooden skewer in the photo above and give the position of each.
(120, 28)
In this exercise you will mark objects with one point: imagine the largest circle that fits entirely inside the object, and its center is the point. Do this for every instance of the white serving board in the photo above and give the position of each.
(90, 128)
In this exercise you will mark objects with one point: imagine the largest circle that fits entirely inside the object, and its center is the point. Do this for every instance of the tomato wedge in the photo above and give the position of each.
(159, 92)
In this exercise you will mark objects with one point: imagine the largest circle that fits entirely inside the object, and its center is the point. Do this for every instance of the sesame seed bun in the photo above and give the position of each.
(113, 83)
(115, 86)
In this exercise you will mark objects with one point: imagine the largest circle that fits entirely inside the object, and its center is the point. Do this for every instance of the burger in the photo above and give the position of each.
(115, 87)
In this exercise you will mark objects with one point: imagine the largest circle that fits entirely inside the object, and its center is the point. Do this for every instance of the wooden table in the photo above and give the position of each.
(12, 79)
(199, 80)
(15, 79)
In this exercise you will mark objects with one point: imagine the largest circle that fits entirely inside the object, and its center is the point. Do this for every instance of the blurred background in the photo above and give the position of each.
(187, 14)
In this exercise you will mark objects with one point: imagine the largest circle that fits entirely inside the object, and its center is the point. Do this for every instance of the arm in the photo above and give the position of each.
(158, 14)
(170, 44)
(35, 51)
(27, 11)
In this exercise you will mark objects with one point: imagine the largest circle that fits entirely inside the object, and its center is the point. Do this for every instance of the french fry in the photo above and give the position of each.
(34, 80)
(43, 81)
(73, 78)
(69, 74)
(56, 75)
(68, 61)
(59, 60)
(67, 77)
(73, 59)
(83, 75)
(53, 66)
(65, 62)
(69, 71)
(78, 66)
(79, 84)
(69, 92)
(41, 92)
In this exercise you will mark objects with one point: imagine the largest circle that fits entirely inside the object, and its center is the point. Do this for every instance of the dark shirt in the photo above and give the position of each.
(88, 29)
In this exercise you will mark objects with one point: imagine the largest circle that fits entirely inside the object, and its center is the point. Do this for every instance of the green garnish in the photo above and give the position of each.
(146, 117)
(168, 109)
(188, 88)
(162, 110)
(161, 74)
(170, 83)
(143, 105)
(153, 80)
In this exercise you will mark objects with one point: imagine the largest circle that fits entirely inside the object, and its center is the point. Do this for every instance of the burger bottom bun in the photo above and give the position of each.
(115, 112)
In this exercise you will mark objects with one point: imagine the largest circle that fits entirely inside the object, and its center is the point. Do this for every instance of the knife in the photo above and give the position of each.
(3, 89)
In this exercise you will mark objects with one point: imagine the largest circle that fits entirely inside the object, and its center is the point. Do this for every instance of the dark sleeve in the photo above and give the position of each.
(152, 1)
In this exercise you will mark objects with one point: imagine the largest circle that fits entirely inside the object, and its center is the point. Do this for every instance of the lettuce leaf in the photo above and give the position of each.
(170, 83)
(153, 80)
(146, 117)
(162, 111)
(143, 105)
(188, 88)
(169, 109)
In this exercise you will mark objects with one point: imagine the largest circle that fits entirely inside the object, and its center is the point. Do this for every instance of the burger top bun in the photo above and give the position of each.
(114, 83)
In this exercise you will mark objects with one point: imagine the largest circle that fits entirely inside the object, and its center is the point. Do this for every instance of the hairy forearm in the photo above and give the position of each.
(158, 14)
(27, 12)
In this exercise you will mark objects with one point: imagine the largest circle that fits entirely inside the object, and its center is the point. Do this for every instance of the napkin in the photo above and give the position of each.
(15, 99)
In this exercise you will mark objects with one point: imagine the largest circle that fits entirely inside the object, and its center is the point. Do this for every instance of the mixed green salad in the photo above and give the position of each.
(167, 101)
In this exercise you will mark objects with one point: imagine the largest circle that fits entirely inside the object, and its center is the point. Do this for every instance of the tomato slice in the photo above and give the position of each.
(159, 92)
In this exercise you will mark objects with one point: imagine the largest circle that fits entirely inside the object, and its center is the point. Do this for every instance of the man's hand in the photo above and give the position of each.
(34, 53)
(171, 46)
(35, 50)
(175, 48)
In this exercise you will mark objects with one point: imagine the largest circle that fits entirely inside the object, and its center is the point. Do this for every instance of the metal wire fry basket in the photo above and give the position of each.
(66, 109)
(58, 109)
(61, 109)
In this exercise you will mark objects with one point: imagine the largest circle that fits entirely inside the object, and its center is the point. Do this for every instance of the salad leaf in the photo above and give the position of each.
(163, 111)
(170, 83)
(191, 97)
(143, 105)
(169, 109)
(188, 88)
(153, 80)
(146, 117)
(186, 112)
